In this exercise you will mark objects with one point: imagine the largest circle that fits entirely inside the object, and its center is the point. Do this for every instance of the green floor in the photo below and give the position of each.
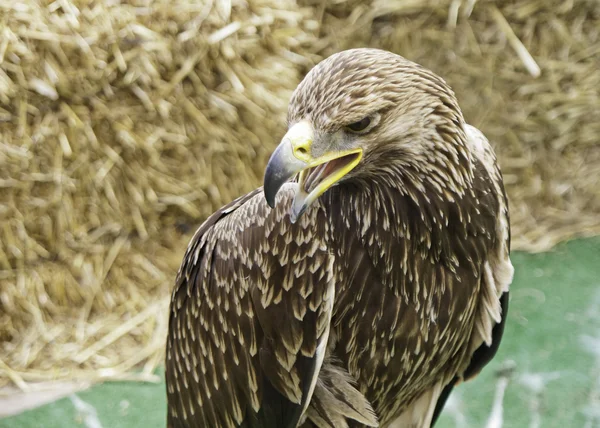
(552, 343)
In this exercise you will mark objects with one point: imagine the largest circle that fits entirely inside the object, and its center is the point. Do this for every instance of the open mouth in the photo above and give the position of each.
(335, 169)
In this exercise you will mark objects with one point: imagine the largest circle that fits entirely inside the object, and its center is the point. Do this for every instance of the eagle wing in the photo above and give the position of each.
(250, 317)
(498, 273)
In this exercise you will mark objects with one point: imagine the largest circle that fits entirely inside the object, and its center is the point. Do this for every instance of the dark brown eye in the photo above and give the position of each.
(359, 126)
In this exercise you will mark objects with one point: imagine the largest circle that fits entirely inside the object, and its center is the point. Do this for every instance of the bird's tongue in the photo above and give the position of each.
(317, 174)
(308, 187)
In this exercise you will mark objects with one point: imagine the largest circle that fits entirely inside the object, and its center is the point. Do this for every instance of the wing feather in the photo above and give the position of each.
(498, 272)
(250, 317)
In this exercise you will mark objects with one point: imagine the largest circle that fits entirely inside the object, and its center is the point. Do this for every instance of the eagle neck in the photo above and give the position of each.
(392, 222)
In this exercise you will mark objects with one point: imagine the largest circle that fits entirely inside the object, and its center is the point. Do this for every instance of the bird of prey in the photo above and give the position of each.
(366, 278)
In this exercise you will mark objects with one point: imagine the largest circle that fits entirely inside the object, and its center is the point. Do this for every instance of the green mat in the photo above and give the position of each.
(547, 373)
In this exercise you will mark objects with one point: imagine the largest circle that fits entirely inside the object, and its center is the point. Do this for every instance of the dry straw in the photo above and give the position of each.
(123, 124)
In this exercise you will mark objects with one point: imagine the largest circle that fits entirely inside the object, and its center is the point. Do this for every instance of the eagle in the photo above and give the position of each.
(366, 278)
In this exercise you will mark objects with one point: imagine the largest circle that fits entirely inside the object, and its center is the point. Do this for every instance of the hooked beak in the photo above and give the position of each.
(316, 175)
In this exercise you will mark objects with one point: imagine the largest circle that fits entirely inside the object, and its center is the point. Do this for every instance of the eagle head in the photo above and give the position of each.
(366, 114)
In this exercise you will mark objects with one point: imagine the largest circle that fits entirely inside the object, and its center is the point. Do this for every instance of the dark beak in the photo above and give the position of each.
(287, 159)
(293, 156)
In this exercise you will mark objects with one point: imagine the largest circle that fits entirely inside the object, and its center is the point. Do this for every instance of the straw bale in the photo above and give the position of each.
(124, 124)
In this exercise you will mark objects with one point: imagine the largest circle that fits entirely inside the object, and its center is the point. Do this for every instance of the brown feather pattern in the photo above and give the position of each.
(397, 271)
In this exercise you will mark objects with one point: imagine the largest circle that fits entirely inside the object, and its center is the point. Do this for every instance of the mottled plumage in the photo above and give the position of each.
(356, 302)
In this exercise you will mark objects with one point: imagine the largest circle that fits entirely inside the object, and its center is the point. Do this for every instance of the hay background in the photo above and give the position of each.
(123, 125)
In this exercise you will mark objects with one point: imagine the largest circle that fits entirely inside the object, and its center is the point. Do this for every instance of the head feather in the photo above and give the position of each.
(421, 131)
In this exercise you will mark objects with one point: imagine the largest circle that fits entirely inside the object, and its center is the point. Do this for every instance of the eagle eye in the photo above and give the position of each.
(359, 126)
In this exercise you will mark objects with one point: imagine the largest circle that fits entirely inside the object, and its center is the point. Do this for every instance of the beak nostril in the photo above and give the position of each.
(301, 150)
